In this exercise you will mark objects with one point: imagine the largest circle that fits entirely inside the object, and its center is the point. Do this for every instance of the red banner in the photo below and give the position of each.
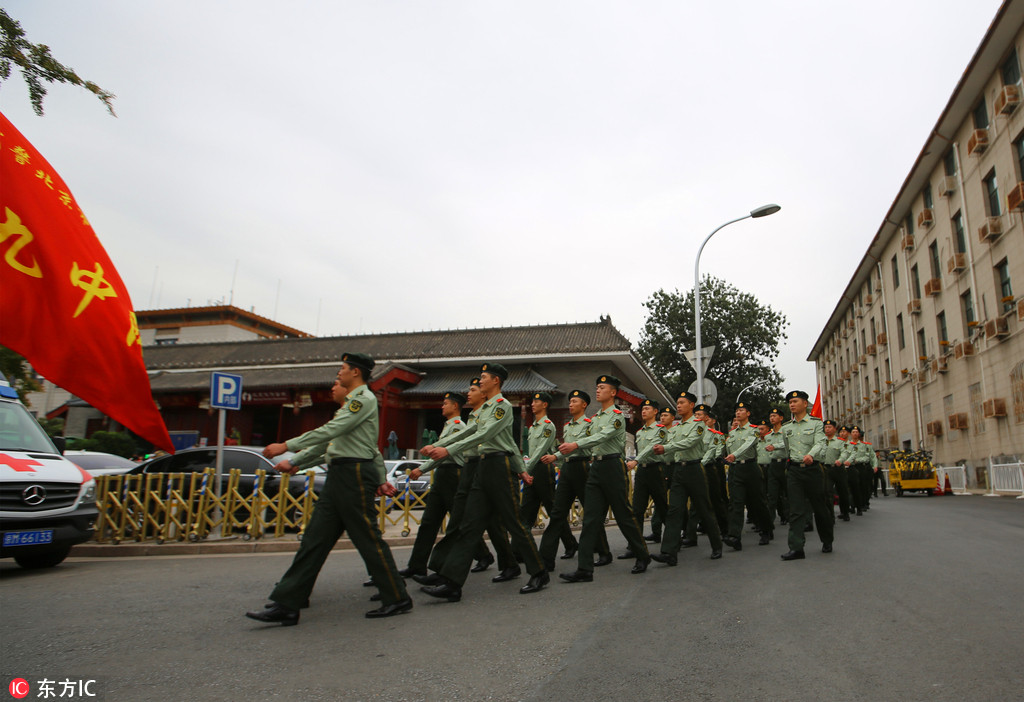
(64, 307)
(816, 408)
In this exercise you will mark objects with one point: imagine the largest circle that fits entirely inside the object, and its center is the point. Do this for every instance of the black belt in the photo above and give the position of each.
(694, 462)
(346, 461)
(647, 465)
(492, 454)
(577, 459)
(744, 462)
(608, 456)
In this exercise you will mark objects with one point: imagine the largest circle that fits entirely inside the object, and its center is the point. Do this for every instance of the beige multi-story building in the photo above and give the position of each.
(925, 348)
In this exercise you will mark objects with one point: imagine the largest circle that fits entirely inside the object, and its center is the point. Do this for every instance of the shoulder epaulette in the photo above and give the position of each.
(586, 419)
(617, 411)
(866, 443)
(660, 425)
(717, 432)
(817, 419)
(456, 421)
(500, 399)
(547, 421)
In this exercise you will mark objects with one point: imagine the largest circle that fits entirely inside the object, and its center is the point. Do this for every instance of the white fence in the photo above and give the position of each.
(957, 476)
(1006, 477)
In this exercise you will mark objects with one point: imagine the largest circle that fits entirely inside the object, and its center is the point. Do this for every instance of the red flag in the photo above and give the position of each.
(64, 307)
(816, 409)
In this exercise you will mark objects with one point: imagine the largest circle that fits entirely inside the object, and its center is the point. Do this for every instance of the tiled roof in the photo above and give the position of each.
(499, 342)
(520, 381)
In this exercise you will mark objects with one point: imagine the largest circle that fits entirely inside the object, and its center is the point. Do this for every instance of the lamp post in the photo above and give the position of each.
(762, 211)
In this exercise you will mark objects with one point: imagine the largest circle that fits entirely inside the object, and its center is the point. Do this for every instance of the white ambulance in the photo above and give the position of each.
(47, 503)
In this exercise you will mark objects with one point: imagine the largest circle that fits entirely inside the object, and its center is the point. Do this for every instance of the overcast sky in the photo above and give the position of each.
(397, 166)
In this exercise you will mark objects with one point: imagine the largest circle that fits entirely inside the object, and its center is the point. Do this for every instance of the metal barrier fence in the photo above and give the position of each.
(1005, 477)
(957, 477)
(165, 507)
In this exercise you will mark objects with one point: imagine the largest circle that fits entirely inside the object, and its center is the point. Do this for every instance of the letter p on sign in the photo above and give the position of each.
(225, 391)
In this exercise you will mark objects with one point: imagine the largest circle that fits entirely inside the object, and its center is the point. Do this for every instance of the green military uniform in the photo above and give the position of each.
(837, 483)
(861, 459)
(775, 476)
(649, 478)
(746, 484)
(470, 456)
(607, 487)
(541, 438)
(572, 480)
(713, 441)
(686, 446)
(495, 490)
(439, 501)
(806, 484)
(349, 444)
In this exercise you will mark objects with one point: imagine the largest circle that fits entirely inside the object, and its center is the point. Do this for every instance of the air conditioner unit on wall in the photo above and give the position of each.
(872, 349)
(907, 242)
(934, 428)
(1008, 99)
(939, 365)
(957, 421)
(957, 263)
(978, 142)
(914, 306)
(996, 407)
(1015, 198)
(1020, 310)
(965, 348)
(933, 287)
(997, 328)
(991, 229)
(882, 339)
(925, 219)
(947, 186)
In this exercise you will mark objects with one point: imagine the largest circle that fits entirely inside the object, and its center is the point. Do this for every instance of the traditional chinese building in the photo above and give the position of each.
(286, 382)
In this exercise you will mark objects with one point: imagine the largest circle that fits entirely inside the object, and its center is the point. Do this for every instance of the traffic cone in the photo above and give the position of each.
(948, 488)
(938, 486)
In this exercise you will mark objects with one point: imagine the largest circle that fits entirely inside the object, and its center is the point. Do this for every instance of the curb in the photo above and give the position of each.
(206, 548)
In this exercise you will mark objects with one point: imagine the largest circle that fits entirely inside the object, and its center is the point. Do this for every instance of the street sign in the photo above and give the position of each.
(225, 391)
(710, 392)
(706, 352)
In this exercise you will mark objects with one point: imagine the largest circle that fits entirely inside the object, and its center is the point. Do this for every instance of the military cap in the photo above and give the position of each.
(610, 380)
(844, 428)
(706, 409)
(798, 393)
(495, 369)
(857, 429)
(688, 396)
(668, 410)
(776, 410)
(359, 360)
(649, 403)
(743, 405)
(828, 423)
(542, 396)
(456, 397)
(580, 394)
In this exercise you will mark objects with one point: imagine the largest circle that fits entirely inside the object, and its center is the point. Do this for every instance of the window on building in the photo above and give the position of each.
(1002, 270)
(888, 370)
(949, 163)
(977, 417)
(915, 280)
(908, 223)
(940, 327)
(959, 238)
(874, 333)
(1018, 151)
(895, 271)
(967, 306)
(927, 195)
(900, 336)
(1010, 70)
(863, 340)
(992, 194)
(875, 374)
(980, 115)
(922, 343)
(933, 258)
(1017, 387)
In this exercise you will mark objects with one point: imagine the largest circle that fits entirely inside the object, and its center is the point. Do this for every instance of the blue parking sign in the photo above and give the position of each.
(225, 391)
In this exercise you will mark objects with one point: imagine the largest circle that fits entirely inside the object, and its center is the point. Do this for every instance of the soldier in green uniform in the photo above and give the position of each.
(667, 418)
(607, 485)
(686, 446)
(572, 480)
(778, 501)
(441, 497)
(349, 443)
(714, 442)
(497, 534)
(836, 471)
(540, 464)
(746, 484)
(649, 478)
(804, 447)
(495, 490)
(858, 457)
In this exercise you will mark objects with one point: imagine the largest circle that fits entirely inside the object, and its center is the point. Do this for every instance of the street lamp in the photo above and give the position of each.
(762, 211)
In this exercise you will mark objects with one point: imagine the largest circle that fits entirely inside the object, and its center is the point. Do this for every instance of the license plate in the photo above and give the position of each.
(28, 538)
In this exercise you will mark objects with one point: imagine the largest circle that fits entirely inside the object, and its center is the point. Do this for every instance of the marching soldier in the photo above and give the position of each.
(778, 502)
(853, 457)
(349, 443)
(836, 471)
(607, 485)
(686, 445)
(495, 490)
(804, 447)
(541, 466)
(441, 496)
(649, 479)
(714, 444)
(470, 456)
(667, 419)
(572, 480)
(746, 482)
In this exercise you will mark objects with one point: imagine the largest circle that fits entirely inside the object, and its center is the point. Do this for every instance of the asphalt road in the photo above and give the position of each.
(923, 599)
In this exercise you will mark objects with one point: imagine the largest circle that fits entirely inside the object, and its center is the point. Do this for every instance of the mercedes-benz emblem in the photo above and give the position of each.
(33, 495)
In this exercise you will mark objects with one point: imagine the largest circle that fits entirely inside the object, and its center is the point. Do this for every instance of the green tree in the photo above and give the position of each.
(52, 427)
(18, 373)
(37, 65)
(746, 336)
(119, 443)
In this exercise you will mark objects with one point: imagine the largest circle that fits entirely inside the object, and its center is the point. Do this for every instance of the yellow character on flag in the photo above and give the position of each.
(20, 155)
(23, 237)
(133, 333)
(45, 177)
(92, 283)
